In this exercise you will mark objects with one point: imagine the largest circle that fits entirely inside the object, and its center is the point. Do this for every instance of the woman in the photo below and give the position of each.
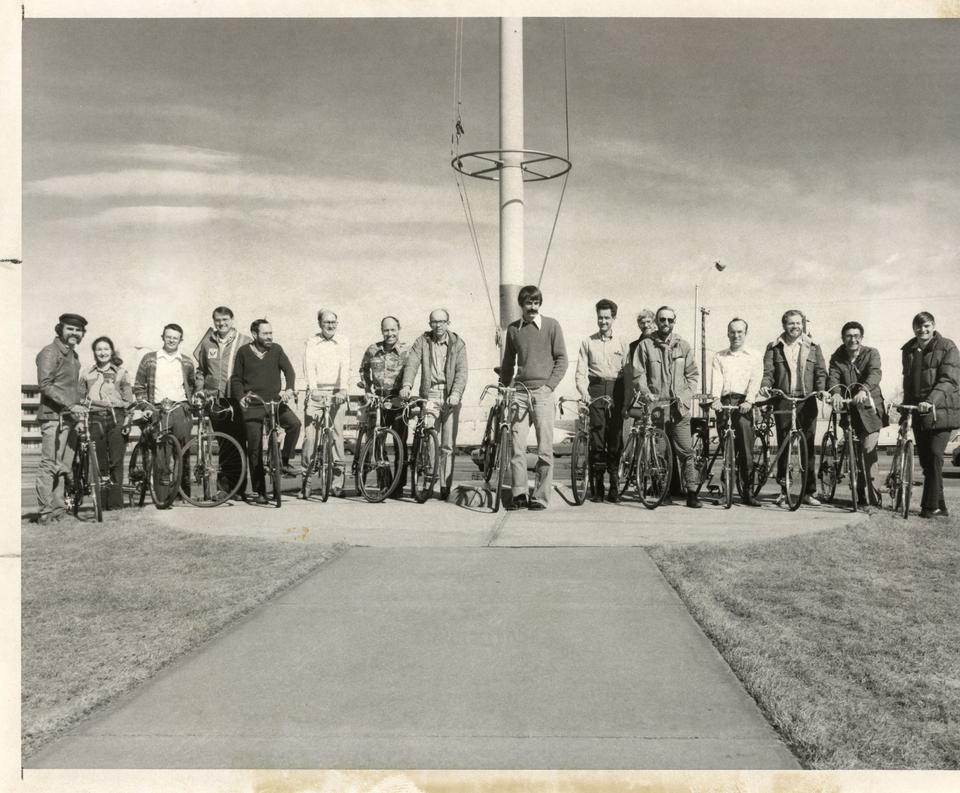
(931, 375)
(107, 386)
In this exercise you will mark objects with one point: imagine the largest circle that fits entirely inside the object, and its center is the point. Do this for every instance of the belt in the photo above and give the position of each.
(594, 379)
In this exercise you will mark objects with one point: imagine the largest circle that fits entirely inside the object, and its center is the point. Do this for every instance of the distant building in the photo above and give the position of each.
(29, 428)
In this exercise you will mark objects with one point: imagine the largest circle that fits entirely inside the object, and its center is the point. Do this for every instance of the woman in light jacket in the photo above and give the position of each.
(107, 386)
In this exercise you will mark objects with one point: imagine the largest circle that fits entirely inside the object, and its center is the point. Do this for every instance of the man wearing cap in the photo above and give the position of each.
(58, 375)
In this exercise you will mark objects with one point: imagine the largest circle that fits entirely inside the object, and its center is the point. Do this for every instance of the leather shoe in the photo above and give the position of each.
(444, 494)
(811, 501)
(260, 499)
(613, 495)
(693, 502)
(932, 513)
(518, 502)
(750, 501)
(536, 505)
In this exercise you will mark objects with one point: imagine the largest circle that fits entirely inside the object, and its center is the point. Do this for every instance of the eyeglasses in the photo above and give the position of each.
(671, 320)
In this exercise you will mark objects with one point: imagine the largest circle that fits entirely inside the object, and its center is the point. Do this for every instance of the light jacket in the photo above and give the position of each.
(216, 360)
(58, 375)
(112, 386)
(665, 368)
(938, 384)
(455, 371)
(145, 385)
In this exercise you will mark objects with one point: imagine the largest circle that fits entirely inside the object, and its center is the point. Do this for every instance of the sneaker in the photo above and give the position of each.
(932, 513)
(811, 501)
(518, 502)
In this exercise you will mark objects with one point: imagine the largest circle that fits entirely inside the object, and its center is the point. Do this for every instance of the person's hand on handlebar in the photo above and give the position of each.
(925, 407)
(404, 393)
(860, 397)
(339, 398)
(245, 400)
(836, 402)
(715, 404)
(289, 395)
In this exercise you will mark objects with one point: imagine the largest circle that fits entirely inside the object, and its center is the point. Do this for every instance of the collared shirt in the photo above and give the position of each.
(600, 356)
(326, 363)
(169, 382)
(382, 368)
(737, 372)
(438, 361)
(791, 353)
(537, 320)
(111, 385)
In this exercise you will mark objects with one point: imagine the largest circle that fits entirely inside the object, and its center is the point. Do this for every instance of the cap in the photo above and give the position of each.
(73, 319)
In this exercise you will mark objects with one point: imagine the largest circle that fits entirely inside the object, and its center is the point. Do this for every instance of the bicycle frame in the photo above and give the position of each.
(581, 450)
(508, 413)
(782, 448)
(725, 440)
(899, 481)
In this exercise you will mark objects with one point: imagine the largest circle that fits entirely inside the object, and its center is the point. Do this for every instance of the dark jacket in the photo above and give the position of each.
(58, 375)
(937, 383)
(455, 371)
(862, 374)
(145, 384)
(776, 373)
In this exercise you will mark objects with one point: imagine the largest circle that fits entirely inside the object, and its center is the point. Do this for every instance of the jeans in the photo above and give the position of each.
(542, 419)
(931, 445)
(105, 430)
(57, 447)
(253, 422)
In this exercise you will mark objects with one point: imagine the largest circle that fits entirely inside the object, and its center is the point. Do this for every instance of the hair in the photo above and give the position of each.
(58, 329)
(746, 325)
(791, 312)
(603, 304)
(390, 316)
(172, 326)
(255, 325)
(666, 308)
(923, 316)
(222, 311)
(850, 325)
(115, 359)
(323, 311)
(445, 313)
(529, 292)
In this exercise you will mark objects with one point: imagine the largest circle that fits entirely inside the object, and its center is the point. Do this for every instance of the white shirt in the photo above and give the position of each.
(169, 380)
(791, 352)
(326, 363)
(736, 372)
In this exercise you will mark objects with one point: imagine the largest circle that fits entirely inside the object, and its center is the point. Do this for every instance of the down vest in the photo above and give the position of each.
(937, 382)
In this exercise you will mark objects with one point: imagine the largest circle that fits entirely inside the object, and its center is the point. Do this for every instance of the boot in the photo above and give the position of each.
(596, 487)
(613, 495)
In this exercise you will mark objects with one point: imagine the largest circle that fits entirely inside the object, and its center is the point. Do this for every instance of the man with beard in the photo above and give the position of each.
(58, 375)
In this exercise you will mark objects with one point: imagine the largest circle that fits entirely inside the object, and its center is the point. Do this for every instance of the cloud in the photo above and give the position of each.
(180, 156)
(156, 216)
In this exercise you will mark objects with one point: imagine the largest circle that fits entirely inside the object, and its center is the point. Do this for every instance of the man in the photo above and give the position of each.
(257, 371)
(535, 351)
(664, 369)
(216, 355)
(326, 367)
(600, 373)
(165, 378)
(440, 355)
(735, 380)
(931, 379)
(795, 365)
(381, 372)
(58, 375)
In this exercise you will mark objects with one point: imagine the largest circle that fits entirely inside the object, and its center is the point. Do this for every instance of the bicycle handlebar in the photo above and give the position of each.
(907, 409)
(604, 398)
(504, 389)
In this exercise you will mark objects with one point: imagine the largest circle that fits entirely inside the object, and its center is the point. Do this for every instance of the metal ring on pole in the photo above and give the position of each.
(537, 166)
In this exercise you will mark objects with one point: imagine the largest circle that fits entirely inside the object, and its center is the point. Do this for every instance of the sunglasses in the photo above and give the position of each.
(671, 320)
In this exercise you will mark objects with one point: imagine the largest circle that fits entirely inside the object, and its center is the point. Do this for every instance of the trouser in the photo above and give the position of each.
(336, 414)
(931, 445)
(606, 426)
(743, 438)
(807, 424)
(106, 432)
(58, 442)
(541, 416)
(449, 423)
(253, 422)
(678, 431)
(230, 468)
(181, 425)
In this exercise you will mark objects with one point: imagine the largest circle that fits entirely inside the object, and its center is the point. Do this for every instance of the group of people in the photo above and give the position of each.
(657, 367)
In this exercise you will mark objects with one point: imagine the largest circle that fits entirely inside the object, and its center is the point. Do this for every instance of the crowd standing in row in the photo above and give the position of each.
(658, 366)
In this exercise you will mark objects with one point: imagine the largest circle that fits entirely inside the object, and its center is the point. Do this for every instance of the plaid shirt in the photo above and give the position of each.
(145, 385)
(383, 369)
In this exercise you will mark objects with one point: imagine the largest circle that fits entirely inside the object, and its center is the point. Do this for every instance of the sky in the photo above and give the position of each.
(281, 166)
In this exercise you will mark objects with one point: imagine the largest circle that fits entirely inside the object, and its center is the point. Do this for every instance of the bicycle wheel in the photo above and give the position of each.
(381, 465)
(579, 466)
(79, 475)
(761, 466)
(654, 468)
(701, 458)
(794, 475)
(93, 479)
(829, 465)
(214, 477)
(488, 446)
(502, 458)
(852, 457)
(139, 473)
(729, 470)
(315, 473)
(274, 467)
(906, 479)
(358, 445)
(627, 466)
(165, 473)
(425, 458)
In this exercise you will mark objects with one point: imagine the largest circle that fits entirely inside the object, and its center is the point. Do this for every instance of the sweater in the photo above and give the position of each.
(537, 356)
(261, 376)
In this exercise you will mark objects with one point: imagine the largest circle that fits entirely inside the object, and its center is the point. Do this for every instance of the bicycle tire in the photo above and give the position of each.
(315, 471)
(579, 467)
(326, 468)
(829, 465)
(274, 466)
(93, 477)
(794, 473)
(502, 462)
(207, 471)
(729, 470)
(871, 495)
(906, 479)
(761, 466)
(628, 464)
(139, 472)
(701, 458)
(79, 474)
(488, 446)
(165, 472)
(425, 458)
(654, 468)
(358, 444)
(376, 480)
(852, 460)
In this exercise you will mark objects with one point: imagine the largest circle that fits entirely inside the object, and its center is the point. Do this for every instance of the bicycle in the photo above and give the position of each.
(214, 477)
(581, 448)
(426, 458)
(86, 468)
(728, 466)
(899, 481)
(764, 428)
(155, 460)
(794, 446)
(272, 460)
(848, 462)
(382, 458)
(496, 454)
(319, 469)
(647, 458)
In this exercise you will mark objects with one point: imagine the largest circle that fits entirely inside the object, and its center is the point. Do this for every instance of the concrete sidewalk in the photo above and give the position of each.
(446, 658)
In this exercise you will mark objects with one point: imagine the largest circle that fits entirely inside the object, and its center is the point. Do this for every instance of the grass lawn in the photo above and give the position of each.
(849, 640)
(104, 607)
